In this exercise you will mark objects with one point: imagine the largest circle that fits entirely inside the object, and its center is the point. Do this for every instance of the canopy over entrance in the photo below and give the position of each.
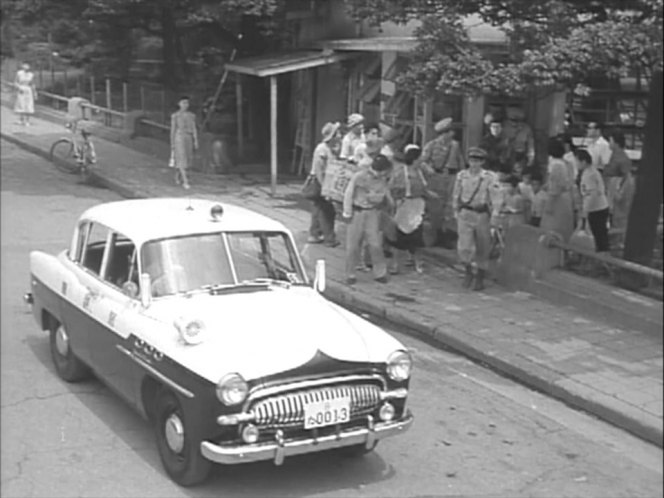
(273, 65)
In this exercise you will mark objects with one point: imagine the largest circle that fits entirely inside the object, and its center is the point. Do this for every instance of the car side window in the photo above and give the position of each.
(121, 265)
(93, 250)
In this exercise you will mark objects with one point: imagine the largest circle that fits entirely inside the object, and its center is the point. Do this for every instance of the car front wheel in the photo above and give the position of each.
(179, 448)
(67, 365)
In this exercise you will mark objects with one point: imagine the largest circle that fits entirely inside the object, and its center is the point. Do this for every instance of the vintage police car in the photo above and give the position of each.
(202, 316)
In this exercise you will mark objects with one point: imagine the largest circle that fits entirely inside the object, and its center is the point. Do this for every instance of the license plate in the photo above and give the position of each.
(328, 412)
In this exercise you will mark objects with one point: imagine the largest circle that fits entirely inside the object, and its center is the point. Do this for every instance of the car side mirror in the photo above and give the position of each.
(146, 290)
(319, 278)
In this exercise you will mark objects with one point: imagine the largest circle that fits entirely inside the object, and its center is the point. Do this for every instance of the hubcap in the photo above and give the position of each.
(62, 341)
(174, 431)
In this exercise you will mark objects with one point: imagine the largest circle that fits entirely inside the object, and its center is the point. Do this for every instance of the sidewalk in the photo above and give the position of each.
(615, 374)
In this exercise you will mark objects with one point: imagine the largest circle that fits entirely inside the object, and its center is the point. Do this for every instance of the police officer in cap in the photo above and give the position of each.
(475, 202)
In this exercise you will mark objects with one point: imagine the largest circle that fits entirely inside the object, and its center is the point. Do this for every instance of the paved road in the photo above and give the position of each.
(476, 434)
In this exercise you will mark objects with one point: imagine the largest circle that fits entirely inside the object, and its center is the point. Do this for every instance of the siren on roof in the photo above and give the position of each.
(216, 212)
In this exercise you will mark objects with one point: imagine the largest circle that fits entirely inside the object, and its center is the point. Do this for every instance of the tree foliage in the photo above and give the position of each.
(549, 42)
(87, 30)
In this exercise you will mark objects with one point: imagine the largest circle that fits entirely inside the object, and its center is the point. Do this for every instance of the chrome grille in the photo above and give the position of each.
(288, 409)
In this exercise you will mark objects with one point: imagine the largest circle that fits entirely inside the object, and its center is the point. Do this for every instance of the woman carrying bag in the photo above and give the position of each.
(321, 229)
(595, 205)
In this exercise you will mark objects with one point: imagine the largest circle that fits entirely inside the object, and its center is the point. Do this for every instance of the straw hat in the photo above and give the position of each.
(329, 130)
(443, 125)
(355, 119)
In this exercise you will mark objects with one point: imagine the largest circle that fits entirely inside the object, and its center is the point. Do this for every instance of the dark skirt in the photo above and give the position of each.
(407, 241)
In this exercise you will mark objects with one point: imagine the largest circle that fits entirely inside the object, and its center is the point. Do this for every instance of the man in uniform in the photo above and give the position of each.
(475, 203)
(442, 159)
(521, 140)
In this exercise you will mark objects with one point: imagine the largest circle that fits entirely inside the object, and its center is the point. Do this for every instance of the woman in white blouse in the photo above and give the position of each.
(595, 205)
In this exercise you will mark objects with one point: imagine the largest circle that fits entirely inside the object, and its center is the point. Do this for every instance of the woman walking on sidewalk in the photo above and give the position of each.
(184, 140)
(26, 94)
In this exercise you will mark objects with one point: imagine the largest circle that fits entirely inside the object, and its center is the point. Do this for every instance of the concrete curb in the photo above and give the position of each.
(533, 376)
(517, 367)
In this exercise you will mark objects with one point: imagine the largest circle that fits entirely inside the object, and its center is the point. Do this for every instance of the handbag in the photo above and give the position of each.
(171, 160)
(311, 188)
(410, 211)
(582, 238)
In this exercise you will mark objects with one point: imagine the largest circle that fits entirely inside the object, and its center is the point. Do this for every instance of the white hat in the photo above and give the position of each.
(355, 119)
(329, 130)
(443, 125)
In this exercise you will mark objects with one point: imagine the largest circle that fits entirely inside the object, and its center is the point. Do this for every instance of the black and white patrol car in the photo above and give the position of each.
(202, 317)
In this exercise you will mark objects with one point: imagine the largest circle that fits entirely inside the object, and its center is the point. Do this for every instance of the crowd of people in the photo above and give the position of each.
(493, 187)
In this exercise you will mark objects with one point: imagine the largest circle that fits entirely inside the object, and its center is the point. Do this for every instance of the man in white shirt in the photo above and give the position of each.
(597, 146)
(353, 138)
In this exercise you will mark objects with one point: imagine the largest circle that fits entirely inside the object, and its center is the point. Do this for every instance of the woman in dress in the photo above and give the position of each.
(558, 213)
(408, 188)
(26, 94)
(184, 140)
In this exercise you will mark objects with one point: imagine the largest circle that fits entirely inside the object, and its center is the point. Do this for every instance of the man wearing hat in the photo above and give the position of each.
(353, 138)
(442, 158)
(476, 203)
(520, 139)
(323, 213)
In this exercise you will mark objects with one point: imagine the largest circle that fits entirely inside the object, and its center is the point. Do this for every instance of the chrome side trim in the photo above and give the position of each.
(185, 392)
(280, 448)
(259, 391)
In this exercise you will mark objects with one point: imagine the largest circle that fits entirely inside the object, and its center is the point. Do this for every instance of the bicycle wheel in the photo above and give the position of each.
(62, 156)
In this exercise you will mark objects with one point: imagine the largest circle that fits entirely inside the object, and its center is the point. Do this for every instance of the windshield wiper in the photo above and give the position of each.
(255, 284)
(265, 282)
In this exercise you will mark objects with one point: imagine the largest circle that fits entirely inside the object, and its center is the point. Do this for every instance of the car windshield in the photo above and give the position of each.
(212, 261)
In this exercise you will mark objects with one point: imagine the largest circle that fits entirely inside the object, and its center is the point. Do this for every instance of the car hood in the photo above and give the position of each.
(266, 332)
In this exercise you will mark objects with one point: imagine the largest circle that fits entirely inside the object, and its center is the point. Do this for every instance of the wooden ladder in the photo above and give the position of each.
(302, 145)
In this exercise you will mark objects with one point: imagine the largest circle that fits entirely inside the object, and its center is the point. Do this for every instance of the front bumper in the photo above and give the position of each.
(281, 448)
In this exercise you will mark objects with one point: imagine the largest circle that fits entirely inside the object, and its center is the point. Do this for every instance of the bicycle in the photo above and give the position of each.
(72, 157)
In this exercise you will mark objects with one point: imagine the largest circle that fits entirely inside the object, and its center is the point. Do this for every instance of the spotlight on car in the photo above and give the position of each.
(216, 212)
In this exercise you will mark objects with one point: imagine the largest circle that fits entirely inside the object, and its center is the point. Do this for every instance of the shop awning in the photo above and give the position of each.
(275, 64)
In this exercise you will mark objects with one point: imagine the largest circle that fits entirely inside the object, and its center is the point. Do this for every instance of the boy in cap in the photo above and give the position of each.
(323, 213)
(442, 159)
(366, 193)
(353, 138)
(476, 204)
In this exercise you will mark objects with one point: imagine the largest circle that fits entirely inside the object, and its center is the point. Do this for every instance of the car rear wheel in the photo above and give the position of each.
(179, 448)
(67, 365)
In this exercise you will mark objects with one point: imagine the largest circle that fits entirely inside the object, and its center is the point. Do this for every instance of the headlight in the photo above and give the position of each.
(232, 389)
(399, 365)
(191, 331)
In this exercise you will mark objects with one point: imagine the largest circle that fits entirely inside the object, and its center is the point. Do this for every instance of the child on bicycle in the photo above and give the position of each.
(85, 151)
